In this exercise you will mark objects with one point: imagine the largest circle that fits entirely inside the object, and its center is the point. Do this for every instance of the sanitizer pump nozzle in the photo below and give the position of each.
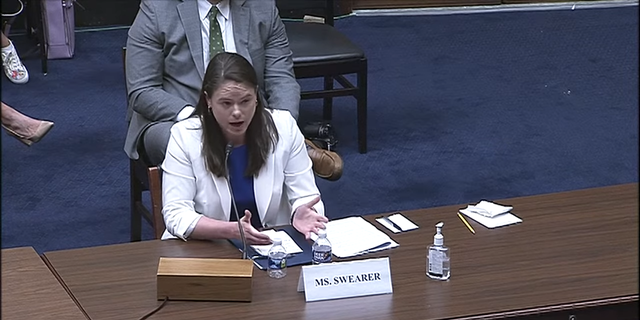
(438, 238)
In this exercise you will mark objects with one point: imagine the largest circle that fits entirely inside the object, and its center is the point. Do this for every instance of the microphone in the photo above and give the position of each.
(227, 152)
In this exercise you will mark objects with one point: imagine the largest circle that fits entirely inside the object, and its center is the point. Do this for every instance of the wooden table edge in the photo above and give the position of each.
(555, 308)
(64, 285)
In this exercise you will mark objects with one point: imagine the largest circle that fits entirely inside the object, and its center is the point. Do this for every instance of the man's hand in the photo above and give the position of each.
(306, 220)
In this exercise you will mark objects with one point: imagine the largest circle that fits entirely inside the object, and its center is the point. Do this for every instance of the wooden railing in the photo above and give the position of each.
(392, 4)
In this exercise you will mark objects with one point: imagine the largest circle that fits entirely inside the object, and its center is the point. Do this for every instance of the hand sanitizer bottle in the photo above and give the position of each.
(438, 264)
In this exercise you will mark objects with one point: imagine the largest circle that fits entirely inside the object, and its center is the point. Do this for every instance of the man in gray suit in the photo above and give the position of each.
(168, 50)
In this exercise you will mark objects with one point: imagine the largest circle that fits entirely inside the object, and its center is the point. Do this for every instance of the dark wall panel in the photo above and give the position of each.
(106, 13)
(100, 13)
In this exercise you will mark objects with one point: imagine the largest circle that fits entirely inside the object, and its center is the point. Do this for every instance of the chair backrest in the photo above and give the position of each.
(297, 9)
(155, 188)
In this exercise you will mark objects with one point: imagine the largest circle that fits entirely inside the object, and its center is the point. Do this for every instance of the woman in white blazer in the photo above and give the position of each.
(233, 141)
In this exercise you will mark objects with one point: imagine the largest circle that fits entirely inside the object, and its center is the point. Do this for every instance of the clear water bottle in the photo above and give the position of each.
(321, 249)
(277, 266)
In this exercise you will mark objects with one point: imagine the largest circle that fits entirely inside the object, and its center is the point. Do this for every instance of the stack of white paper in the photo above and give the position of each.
(490, 215)
(289, 245)
(354, 236)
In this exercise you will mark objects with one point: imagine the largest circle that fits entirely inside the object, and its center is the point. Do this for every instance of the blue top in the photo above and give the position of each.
(242, 186)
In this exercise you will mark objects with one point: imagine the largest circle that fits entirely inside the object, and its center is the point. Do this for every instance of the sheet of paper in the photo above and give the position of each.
(287, 243)
(402, 222)
(353, 236)
(491, 209)
(504, 219)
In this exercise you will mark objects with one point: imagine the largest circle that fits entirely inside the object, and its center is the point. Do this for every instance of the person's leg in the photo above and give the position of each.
(11, 63)
(326, 164)
(17, 121)
(154, 142)
(5, 41)
(22, 127)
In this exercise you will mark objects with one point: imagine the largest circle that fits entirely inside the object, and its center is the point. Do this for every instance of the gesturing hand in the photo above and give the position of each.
(306, 220)
(253, 236)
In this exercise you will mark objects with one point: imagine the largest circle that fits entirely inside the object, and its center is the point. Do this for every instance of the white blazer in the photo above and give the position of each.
(190, 191)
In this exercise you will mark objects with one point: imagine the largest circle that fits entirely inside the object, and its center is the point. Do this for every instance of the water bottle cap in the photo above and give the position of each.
(276, 241)
(322, 232)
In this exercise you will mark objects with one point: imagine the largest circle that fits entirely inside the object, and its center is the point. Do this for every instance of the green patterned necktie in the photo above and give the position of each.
(216, 45)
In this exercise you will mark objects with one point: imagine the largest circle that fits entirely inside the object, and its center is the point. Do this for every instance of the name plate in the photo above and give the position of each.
(345, 279)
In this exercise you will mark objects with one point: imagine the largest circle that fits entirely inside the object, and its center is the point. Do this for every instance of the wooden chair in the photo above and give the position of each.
(155, 188)
(321, 51)
(143, 177)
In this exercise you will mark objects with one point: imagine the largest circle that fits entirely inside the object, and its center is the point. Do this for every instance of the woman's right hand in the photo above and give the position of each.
(252, 235)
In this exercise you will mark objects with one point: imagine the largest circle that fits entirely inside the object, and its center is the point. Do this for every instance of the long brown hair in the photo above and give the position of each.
(261, 135)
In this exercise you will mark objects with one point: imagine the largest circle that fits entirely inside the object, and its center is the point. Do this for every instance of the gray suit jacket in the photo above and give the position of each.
(164, 62)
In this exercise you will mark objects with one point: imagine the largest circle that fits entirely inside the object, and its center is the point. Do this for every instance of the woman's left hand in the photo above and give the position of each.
(306, 220)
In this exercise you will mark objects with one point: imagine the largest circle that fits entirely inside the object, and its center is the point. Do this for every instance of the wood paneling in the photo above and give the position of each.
(537, 1)
(396, 4)
(296, 9)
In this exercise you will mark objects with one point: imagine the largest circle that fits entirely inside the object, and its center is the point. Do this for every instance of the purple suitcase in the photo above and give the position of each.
(59, 28)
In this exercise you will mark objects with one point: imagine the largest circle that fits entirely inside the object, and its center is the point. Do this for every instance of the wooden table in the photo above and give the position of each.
(576, 253)
(31, 291)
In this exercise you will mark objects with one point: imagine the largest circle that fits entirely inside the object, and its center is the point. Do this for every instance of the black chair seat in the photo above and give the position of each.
(317, 42)
(319, 50)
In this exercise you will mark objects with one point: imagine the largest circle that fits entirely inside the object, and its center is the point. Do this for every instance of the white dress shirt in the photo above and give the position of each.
(226, 28)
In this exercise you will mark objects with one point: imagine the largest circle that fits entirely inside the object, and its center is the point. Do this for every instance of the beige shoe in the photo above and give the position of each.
(43, 129)
(326, 164)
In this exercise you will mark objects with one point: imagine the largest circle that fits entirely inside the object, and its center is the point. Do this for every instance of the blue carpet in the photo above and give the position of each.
(461, 108)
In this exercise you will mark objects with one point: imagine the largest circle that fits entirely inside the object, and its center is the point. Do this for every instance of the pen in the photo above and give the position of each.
(393, 224)
(466, 223)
